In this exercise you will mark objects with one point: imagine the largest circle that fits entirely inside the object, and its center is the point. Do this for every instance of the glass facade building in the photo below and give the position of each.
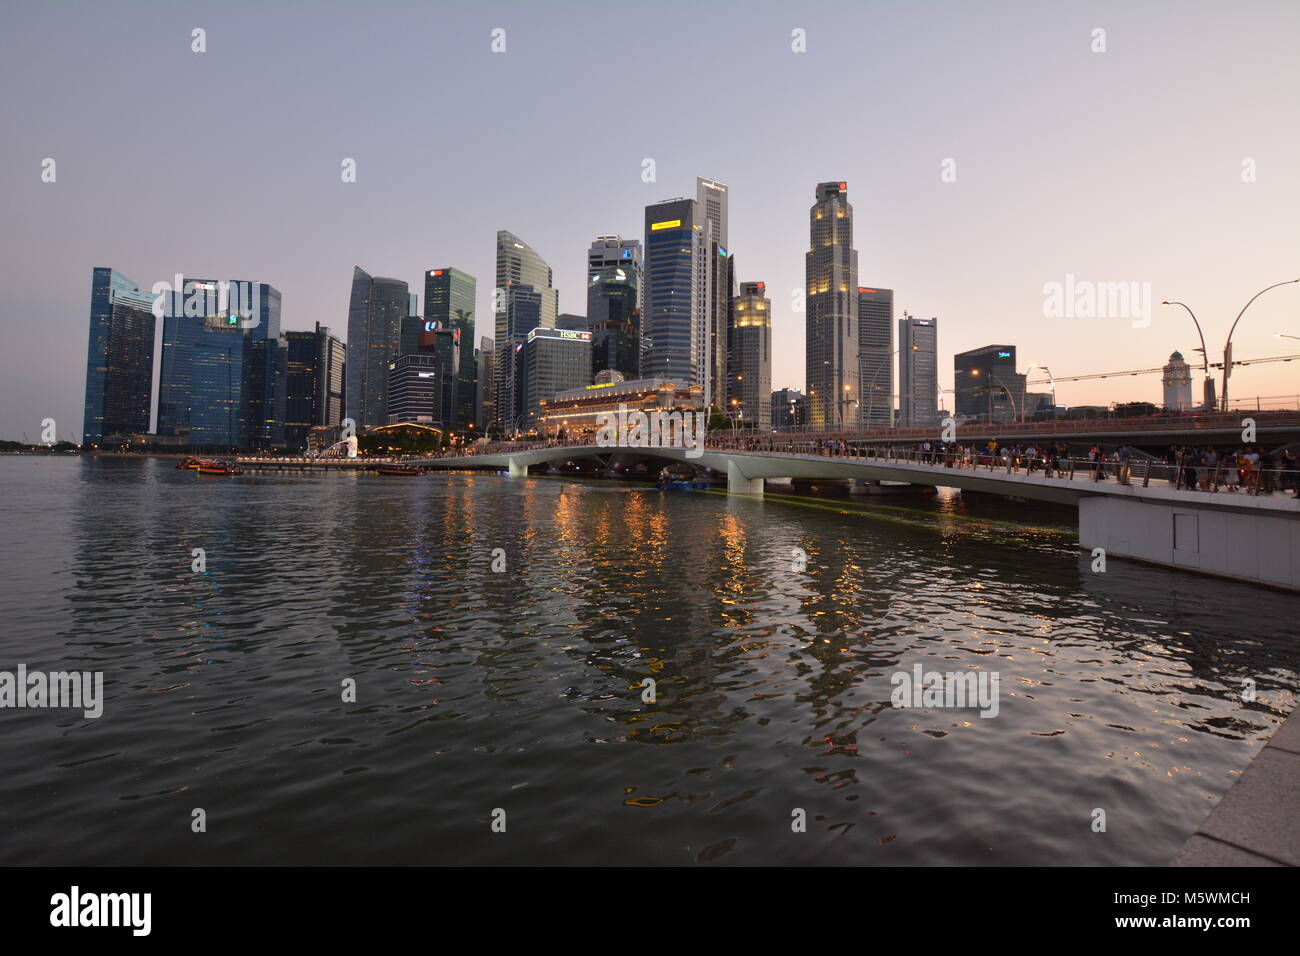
(918, 372)
(314, 363)
(416, 391)
(876, 357)
(749, 366)
(614, 282)
(551, 361)
(449, 299)
(987, 386)
(711, 201)
(518, 264)
(831, 334)
(375, 314)
(675, 296)
(788, 409)
(223, 372)
(119, 357)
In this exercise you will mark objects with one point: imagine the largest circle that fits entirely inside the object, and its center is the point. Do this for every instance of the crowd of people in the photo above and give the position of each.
(1248, 469)
(1244, 468)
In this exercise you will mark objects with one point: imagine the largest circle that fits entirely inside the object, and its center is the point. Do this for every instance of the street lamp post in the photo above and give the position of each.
(1207, 386)
(1227, 346)
(990, 389)
(871, 399)
(1051, 382)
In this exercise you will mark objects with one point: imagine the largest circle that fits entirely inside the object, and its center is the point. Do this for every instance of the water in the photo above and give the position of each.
(521, 690)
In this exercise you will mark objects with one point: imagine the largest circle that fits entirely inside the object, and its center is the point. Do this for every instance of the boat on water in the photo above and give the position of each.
(188, 463)
(403, 471)
(209, 467)
(684, 485)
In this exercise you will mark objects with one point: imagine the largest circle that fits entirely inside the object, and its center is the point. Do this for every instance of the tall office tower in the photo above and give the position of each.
(721, 293)
(551, 360)
(918, 372)
(119, 357)
(831, 336)
(749, 366)
(571, 322)
(413, 303)
(415, 390)
(1177, 380)
(313, 392)
(222, 378)
(875, 357)
(719, 282)
(518, 264)
(675, 299)
(449, 300)
(614, 282)
(523, 309)
(987, 385)
(422, 336)
(788, 409)
(484, 402)
(375, 315)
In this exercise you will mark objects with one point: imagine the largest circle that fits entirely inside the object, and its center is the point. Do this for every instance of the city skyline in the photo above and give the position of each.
(1088, 178)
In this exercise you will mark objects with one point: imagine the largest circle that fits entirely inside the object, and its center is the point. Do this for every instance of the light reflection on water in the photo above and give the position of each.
(522, 690)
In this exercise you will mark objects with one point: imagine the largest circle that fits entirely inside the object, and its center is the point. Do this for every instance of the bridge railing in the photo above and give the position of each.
(1229, 474)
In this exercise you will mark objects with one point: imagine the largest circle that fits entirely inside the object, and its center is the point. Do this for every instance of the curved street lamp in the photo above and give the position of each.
(1051, 381)
(1227, 346)
(1207, 384)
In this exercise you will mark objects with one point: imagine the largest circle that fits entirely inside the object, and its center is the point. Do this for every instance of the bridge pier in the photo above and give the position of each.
(517, 470)
(1259, 544)
(738, 484)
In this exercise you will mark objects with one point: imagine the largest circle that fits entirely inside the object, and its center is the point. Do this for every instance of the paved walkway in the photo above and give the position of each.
(1257, 823)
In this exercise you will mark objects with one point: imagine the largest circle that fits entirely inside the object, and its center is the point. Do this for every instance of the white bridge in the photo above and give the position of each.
(1242, 535)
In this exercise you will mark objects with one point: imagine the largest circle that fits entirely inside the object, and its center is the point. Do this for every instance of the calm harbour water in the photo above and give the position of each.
(520, 690)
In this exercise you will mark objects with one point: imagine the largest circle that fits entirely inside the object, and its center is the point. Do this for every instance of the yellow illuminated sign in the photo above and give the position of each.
(666, 224)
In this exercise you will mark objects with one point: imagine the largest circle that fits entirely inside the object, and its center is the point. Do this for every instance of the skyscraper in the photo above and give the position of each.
(119, 357)
(484, 402)
(918, 372)
(430, 337)
(614, 282)
(449, 300)
(375, 315)
(987, 385)
(831, 337)
(875, 357)
(551, 360)
(719, 281)
(749, 366)
(788, 409)
(416, 391)
(523, 310)
(222, 377)
(675, 300)
(313, 390)
(518, 264)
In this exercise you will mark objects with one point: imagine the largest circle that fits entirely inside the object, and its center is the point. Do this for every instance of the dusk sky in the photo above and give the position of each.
(1124, 165)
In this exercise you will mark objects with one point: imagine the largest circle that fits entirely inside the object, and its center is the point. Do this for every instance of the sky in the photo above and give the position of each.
(990, 149)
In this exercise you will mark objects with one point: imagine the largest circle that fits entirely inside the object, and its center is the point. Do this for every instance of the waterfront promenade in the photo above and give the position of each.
(1257, 822)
